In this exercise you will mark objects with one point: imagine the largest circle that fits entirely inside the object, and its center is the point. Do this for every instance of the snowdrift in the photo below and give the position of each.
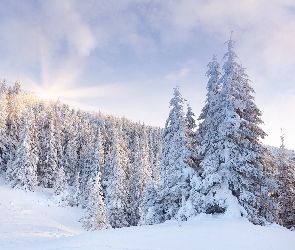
(33, 220)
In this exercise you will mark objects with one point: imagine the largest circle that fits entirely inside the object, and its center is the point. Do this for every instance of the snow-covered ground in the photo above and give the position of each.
(33, 221)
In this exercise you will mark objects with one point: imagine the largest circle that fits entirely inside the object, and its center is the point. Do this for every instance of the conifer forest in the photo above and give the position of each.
(123, 173)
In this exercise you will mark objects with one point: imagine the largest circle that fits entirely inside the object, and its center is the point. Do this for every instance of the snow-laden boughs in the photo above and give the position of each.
(173, 188)
(285, 196)
(191, 137)
(96, 215)
(92, 162)
(22, 168)
(140, 175)
(74, 192)
(232, 155)
(14, 112)
(150, 210)
(4, 153)
(116, 191)
(48, 159)
(213, 88)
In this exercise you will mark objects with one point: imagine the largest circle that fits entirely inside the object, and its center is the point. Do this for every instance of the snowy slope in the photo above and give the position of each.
(33, 221)
(33, 217)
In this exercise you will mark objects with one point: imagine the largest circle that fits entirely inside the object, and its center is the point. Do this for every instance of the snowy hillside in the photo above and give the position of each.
(34, 221)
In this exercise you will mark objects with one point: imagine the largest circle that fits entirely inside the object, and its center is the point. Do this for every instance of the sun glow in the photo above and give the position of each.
(46, 93)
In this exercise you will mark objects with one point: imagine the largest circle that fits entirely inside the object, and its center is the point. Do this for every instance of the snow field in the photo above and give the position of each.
(33, 221)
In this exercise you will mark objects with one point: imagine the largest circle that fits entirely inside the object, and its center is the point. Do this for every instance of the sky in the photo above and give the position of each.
(125, 57)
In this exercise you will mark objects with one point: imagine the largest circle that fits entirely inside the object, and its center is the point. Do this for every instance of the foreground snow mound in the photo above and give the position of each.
(205, 232)
(33, 221)
(33, 217)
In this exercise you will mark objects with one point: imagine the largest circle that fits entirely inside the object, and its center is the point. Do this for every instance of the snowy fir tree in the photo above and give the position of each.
(14, 101)
(4, 153)
(173, 188)
(96, 215)
(116, 191)
(140, 176)
(75, 192)
(92, 164)
(48, 164)
(150, 210)
(60, 181)
(22, 169)
(213, 88)
(286, 192)
(71, 156)
(191, 137)
(232, 155)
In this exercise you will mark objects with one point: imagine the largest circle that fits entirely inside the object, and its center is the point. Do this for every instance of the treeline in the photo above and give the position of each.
(99, 162)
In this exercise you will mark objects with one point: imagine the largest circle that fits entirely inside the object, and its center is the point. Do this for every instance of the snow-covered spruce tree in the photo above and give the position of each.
(61, 194)
(192, 205)
(173, 188)
(232, 155)
(191, 136)
(92, 165)
(71, 158)
(213, 88)
(116, 191)
(150, 211)
(140, 175)
(59, 142)
(22, 170)
(157, 151)
(75, 192)
(85, 164)
(60, 181)
(96, 215)
(39, 137)
(14, 110)
(286, 192)
(48, 165)
(4, 154)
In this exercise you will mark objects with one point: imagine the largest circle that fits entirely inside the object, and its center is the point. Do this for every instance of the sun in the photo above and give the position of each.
(47, 93)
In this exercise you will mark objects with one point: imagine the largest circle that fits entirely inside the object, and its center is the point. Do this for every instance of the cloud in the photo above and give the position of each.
(174, 76)
(49, 38)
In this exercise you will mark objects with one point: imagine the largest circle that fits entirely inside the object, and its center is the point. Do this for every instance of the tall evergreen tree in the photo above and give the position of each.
(150, 210)
(22, 170)
(213, 88)
(60, 183)
(232, 155)
(4, 153)
(191, 137)
(70, 160)
(96, 215)
(75, 192)
(92, 164)
(286, 192)
(116, 191)
(173, 188)
(14, 111)
(140, 177)
(49, 156)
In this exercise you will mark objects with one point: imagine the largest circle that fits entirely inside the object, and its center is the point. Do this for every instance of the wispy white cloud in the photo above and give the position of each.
(175, 76)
